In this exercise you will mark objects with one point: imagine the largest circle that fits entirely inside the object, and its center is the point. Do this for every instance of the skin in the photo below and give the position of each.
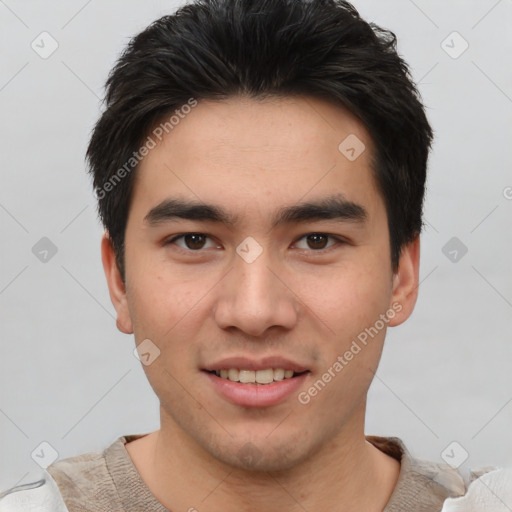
(253, 157)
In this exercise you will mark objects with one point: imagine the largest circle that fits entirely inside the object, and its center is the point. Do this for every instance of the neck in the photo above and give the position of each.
(183, 476)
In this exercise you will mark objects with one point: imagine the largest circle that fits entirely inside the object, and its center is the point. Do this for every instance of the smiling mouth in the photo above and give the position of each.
(261, 377)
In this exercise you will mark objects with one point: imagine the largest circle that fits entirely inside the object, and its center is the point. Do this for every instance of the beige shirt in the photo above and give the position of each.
(109, 482)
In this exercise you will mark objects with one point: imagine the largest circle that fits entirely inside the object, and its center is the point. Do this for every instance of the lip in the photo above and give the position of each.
(254, 395)
(244, 363)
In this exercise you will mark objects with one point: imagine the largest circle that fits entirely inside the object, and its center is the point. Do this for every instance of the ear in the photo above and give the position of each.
(116, 286)
(406, 282)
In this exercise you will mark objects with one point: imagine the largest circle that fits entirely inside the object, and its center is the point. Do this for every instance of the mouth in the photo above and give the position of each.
(258, 377)
(256, 388)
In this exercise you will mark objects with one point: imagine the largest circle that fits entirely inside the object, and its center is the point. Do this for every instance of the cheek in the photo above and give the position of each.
(349, 305)
(348, 299)
(161, 298)
(169, 309)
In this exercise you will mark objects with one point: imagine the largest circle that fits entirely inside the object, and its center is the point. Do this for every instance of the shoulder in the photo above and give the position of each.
(422, 485)
(490, 490)
(81, 477)
(85, 481)
(419, 470)
(425, 485)
(42, 495)
(75, 484)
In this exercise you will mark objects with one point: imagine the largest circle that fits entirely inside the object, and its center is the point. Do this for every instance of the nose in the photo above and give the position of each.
(255, 296)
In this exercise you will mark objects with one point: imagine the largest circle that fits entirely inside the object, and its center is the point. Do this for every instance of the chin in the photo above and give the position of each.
(261, 455)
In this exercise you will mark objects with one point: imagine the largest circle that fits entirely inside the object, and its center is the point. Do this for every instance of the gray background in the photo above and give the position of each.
(70, 379)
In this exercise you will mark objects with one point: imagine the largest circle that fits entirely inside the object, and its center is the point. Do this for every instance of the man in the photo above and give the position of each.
(260, 171)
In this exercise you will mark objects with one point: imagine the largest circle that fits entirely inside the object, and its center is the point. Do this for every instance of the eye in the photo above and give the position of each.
(195, 242)
(318, 241)
(191, 241)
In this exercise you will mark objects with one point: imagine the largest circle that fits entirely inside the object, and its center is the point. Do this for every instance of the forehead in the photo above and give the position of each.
(244, 150)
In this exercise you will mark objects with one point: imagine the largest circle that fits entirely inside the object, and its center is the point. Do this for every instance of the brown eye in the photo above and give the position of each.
(191, 241)
(317, 241)
(194, 240)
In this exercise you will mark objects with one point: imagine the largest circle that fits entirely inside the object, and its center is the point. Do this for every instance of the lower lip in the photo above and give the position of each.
(257, 395)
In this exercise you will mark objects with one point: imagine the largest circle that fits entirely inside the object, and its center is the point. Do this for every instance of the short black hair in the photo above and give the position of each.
(215, 49)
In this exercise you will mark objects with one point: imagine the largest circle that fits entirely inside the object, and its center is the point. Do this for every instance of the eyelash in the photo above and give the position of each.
(340, 241)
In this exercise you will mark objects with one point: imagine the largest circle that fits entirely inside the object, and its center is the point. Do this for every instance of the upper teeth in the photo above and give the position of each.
(250, 376)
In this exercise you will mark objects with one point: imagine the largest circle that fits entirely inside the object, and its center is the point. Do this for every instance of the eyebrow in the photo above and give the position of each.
(331, 207)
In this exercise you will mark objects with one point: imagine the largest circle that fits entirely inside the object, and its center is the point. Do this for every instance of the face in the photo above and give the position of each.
(287, 267)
